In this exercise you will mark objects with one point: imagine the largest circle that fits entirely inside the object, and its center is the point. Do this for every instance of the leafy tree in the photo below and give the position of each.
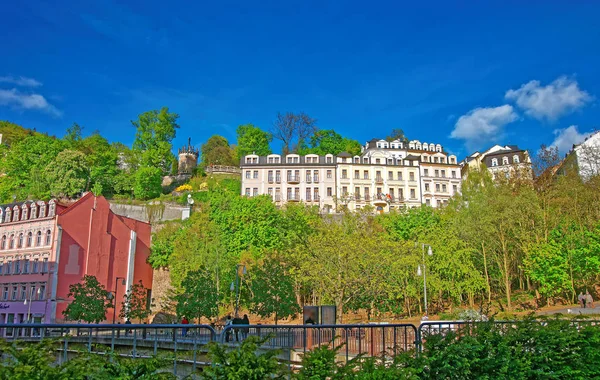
(329, 142)
(155, 131)
(273, 290)
(67, 174)
(251, 139)
(101, 157)
(293, 130)
(73, 136)
(135, 304)
(397, 134)
(148, 183)
(13, 133)
(162, 244)
(90, 301)
(198, 297)
(217, 151)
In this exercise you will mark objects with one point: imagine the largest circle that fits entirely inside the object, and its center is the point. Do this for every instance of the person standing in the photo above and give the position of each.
(580, 299)
(245, 321)
(589, 301)
(228, 322)
(184, 321)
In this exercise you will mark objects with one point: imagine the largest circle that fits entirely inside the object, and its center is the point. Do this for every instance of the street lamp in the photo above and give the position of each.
(115, 298)
(29, 303)
(237, 284)
(424, 272)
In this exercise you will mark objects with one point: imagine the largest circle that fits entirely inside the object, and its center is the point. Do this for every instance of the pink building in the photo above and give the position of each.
(47, 246)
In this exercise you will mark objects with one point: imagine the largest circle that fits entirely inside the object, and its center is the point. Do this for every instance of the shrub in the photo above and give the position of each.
(148, 183)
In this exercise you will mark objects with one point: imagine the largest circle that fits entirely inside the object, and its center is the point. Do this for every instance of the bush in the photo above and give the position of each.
(148, 183)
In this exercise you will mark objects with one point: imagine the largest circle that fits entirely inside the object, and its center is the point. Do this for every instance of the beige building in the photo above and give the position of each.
(293, 178)
(506, 161)
(386, 176)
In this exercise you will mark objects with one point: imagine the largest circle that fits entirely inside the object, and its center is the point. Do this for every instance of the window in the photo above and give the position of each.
(444, 188)
(29, 239)
(436, 160)
(400, 193)
(357, 192)
(455, 188)
(515, 159)
(426, 172)
(453, 173)
(413, 194)
(437, 187)
(411, 176)
(328, 173)
(316, 176)
(443, 174)
(11, 244)
(316, 194)
(14, 293)
(45, 265)
(329, 192)
(308, 193)
(365, 160)
(428, 202)
(247, 174)
(390, 175)
(344, 174)
(38, 239)
(247, 191)
(23, 292)
(255, 191)
(5, 293)
(8, 267)
(377, 161)
(356, 174)
(1, 264)
(255, 174)
(270, 175)
(17, 267)
(399, 176)
(270, 191)
(35, 265)
(344, 190)
(48, 237)
(494, 162)
(270, 160)
(504, 160)
(3, 246)
(26, 266)
(277, 176)
(328, 160)
(32, 292)
(437, 173)
(42, 292)
(426, 187)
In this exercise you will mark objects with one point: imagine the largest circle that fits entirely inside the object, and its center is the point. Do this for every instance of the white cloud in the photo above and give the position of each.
(549, 102)
(16, 99)
(567, 137)
(481, 125)
(21, 81)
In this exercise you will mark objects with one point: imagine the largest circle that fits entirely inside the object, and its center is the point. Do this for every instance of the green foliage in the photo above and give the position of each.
(67, 174)
(251, 139)
(13, 133)
(135, 304)
(90, 301)
(272, 290)
(217, 151)
(198, 297)
(244, 362)
(329, 142)
(410, 224)
(155, 130)
(162, 244)
(148, 183)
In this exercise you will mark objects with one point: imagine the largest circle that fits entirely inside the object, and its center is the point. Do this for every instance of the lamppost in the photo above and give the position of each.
(429, 253)
(29, 303)
(237, 284)
(115, 298)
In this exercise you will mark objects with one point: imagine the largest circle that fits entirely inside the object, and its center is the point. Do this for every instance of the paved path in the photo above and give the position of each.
(576, 310)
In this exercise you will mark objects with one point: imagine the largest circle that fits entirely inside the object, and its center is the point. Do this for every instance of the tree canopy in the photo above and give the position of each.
(251, 139)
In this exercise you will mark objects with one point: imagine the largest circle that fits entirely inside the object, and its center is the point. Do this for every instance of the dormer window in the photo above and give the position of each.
(504, 160)
(494, 162)
(516, 159)
(16, 214)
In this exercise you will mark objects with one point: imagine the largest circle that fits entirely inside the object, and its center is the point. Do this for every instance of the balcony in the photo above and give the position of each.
(381, 200)
(293, 198)
(293, 179)
(379, 179)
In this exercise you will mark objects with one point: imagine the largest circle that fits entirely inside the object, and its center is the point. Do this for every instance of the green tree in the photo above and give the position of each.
(198, 297)
(330, 142)
(13, 133)
(67, 174)
(217, 151)
(162, 244)
(293, 130)
(251, 139)
(90, 301)
(73, 136)
(397, 134)
(136, 304)
(272, 290)
(148, 183)
(155, 131)
(101, 157)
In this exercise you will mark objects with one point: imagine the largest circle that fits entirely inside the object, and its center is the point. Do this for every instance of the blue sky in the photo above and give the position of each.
(463, 74)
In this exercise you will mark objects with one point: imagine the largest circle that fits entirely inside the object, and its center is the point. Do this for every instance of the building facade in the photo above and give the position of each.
(584, 158)
(507, 161)
(386, 176)
(47, 246)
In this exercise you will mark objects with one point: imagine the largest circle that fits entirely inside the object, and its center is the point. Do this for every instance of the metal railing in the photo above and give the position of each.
(223, 169)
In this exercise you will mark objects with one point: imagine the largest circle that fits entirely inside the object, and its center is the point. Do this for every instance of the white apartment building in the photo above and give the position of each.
(386, 176)
(584, 157)
(310, 179)
(500, 160)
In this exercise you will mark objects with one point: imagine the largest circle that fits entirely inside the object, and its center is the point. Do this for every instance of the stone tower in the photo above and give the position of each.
(188, 158)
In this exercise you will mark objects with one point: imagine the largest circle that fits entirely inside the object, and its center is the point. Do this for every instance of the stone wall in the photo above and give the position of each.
(159, 212)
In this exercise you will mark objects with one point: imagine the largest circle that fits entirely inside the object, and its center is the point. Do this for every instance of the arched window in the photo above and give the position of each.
(48, 237)
(29, 239)
(11, 243)
(20, 243)
(494, 162)
(3, 246)
(516, 159)
(38, 239)
(504, 160)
